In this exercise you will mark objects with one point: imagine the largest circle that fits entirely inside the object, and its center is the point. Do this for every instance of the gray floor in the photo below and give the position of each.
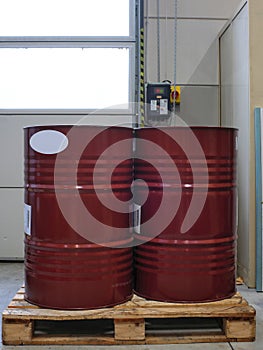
(11, 279)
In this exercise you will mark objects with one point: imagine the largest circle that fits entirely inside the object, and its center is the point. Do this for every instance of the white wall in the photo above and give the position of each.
(235, 104)
(198, 25)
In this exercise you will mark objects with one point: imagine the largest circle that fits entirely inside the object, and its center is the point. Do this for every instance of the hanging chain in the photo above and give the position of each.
(175, 44)
(158, 43)
(166, 41)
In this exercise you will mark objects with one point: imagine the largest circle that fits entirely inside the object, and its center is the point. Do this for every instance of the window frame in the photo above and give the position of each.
(127, 42)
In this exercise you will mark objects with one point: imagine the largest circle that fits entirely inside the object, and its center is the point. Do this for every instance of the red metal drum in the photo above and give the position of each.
(64, 269)
(197, 265)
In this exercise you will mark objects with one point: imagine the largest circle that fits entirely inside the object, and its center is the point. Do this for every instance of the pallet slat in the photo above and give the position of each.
(130, 323)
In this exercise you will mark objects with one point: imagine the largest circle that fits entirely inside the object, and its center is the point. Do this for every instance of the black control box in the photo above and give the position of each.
(158, 104)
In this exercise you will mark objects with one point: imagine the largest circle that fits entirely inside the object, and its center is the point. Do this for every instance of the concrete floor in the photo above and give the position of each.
(11, 279)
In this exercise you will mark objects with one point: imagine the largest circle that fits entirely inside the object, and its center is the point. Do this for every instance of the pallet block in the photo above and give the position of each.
(138, 321)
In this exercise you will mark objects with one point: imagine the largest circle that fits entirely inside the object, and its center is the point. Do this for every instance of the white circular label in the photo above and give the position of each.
(49, 142)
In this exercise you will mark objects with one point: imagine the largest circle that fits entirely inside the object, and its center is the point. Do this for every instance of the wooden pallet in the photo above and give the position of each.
(138, 321)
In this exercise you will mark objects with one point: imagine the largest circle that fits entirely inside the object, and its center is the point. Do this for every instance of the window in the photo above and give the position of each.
(68, 78)
(21, 18)
(73, 55)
